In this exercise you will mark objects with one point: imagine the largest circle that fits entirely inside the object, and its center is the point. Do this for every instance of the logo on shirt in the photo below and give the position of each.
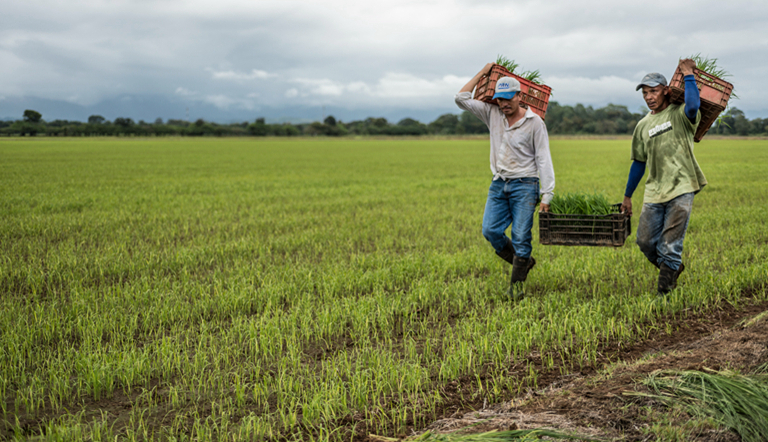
(660, 129)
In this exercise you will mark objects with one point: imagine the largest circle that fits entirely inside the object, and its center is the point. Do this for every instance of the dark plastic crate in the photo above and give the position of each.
(584, 230)
(535, 96)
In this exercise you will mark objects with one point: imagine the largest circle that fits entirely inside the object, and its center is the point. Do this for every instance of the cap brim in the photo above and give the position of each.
(504, 95)
(649, 84)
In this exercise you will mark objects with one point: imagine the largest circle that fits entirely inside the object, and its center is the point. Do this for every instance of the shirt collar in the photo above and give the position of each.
(528, 114)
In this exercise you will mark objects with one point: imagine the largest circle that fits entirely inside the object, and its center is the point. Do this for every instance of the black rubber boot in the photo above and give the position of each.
(520, 269)
(668, 278)
(508, 252)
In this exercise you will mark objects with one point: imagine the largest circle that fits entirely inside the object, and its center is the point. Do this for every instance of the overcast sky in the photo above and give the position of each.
(236, 59)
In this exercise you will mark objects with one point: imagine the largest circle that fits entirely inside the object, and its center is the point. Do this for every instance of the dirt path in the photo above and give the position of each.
(592, 402)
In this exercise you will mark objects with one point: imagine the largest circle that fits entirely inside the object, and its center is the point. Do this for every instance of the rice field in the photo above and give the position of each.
(317, 289)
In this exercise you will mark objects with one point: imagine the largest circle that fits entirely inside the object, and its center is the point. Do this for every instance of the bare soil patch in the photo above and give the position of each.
(592, 401)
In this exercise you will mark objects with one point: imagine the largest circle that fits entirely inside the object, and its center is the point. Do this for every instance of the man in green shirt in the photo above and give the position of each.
(663, 143)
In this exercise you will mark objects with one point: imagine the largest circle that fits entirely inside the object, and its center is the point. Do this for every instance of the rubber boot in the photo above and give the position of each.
(668, 278)
(508, 252)
(520, 269)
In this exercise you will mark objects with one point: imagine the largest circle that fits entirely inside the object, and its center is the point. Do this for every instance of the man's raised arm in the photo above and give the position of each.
(476, 79)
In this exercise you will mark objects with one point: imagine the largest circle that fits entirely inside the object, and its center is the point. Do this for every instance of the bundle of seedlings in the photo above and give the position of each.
(533, 94)
(714, 92)
(735, 401)
(511, 66)
(581, 204)
(491, 436)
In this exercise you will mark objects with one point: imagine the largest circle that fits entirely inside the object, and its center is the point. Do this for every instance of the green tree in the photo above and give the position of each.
(31, 116)
(445, 124)
(96, 119)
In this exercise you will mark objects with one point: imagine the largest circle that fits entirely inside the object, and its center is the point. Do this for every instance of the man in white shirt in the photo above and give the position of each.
(520, 161)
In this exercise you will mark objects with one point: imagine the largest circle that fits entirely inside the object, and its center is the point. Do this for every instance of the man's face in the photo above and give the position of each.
(656, 97)
(509, 107)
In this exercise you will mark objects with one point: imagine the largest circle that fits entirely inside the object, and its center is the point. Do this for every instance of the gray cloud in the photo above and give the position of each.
(363, 58)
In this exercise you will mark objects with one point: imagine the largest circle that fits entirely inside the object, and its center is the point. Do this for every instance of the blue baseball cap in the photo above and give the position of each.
(652, 80)
(506, 87)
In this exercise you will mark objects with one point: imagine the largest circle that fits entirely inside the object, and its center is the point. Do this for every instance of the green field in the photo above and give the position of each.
(281, 289)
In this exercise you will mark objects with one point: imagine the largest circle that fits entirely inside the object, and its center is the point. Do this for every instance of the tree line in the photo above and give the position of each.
(560, 120)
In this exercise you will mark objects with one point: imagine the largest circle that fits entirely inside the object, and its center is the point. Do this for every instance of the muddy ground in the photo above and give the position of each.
(594, 401)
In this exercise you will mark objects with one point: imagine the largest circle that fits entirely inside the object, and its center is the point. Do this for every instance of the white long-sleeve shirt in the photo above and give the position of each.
(520, 151)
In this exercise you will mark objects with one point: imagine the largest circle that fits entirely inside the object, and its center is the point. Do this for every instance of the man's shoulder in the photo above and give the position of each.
(533, 116)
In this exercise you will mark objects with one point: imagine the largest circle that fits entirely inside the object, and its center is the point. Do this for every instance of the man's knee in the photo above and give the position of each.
(645, 243)
(492, 235)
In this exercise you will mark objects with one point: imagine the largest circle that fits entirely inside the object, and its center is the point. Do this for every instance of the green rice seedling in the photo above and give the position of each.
(709, 65)
(511, 66)
(508, 64)
(490, 436)
(738, 402)
(197, 279)
(580, 203)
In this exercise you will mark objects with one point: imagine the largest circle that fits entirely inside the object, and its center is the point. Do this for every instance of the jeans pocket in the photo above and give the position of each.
(529, 181)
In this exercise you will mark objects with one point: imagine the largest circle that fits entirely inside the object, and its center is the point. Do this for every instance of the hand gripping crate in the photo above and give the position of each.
(584, 230)
(713, 92)
(536, 96)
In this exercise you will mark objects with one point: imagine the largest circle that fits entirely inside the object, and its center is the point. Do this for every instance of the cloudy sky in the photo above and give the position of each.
(235, 60)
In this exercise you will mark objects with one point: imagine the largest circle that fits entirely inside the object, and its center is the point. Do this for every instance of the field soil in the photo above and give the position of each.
(594, 402)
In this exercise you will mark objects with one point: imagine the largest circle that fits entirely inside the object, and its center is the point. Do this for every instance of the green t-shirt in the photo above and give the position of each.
(664, 142)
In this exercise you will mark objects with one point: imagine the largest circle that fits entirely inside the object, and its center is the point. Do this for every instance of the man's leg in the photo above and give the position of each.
(649, 229)
(522, 204)
(676, 218)
(496, 217)
(523, 196)
(670, 245)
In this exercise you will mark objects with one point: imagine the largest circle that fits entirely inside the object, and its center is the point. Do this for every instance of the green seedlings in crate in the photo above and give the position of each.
(532, 76)
(506, 63)
(580, 204)
(511, 66)
(709, 65)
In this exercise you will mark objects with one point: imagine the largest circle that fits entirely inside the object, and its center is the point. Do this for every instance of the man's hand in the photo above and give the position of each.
(484, 72)
(543, 207)
(626, 206)
(686, 66)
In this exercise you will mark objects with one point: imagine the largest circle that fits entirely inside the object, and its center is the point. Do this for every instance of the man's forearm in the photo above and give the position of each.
(636, 172)
(476, 79)
(692, 100)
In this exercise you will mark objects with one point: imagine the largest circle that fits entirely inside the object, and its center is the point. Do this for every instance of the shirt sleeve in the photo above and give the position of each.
(638, 146)
(543, 161)
(683, 117)
(477, 108)
(692, 101)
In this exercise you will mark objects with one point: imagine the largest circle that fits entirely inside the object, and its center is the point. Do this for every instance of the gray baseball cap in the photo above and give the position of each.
(652, 80)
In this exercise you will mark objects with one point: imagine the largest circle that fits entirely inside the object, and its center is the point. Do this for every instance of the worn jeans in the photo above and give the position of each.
(511, 202)
(661, 230)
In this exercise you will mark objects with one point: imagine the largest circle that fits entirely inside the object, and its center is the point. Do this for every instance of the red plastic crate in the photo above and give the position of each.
(536, 96)
(714, 94)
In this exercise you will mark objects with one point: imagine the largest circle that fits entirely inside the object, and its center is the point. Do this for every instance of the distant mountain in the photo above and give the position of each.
(150, 107)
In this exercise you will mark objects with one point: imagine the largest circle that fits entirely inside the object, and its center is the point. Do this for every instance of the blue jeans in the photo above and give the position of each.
(661, 230)
(511, 202)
